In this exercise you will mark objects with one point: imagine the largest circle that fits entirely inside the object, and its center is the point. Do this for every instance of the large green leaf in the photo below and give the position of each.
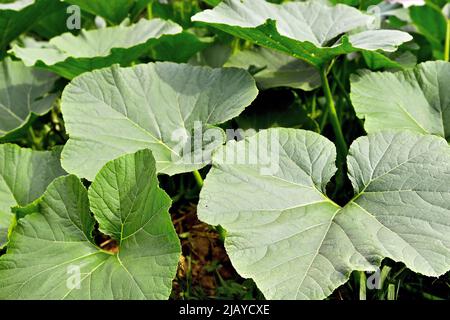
(54, 243)
(23, 95)
(416, 99)
(305, 30)
(24, 176)
(69, 55)
(274, 69)
(113, 11)
(286, 234)
(18, 16)
(114, 111)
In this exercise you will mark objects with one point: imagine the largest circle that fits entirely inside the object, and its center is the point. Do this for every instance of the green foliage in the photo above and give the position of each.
(239, 113)
(128, 205)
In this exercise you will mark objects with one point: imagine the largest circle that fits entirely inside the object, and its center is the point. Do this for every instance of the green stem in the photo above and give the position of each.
(323, 120)
(150, 10)
(332, 114)
(447, 42)
(198, 178)
(362, 285)
(36, 144)
(391, 292)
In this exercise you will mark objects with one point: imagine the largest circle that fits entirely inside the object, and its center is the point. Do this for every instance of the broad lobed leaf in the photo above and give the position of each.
(417, 99)
(114, 111)
(69, 55)
(305, 30)
(401, 209)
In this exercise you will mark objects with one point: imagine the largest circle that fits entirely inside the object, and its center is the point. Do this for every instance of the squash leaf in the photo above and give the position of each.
(296, 243)
(161, 106)
(273, 69)
(19, 16)
(310, 31)
(69, 55)
(23, 96)
(24, 176)
(52, 254)
(417, 99)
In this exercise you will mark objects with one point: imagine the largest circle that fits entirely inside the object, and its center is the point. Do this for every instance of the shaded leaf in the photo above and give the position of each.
(19, 16)
(432, 23)
(23, 96)
(274, 69)
(113, 11)
(24, 176)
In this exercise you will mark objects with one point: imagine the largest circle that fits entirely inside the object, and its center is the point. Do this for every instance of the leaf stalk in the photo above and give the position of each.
(333, 116)
(198, 178)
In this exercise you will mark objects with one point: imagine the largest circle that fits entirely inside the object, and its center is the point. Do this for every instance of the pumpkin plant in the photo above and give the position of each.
(311, 143)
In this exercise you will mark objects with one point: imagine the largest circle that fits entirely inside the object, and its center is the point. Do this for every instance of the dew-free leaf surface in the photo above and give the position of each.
(19, 16)
(160, 106)
(311, 31)
(286, 234)
(417, 99)
(274, 69)
(52, 254)
(23, 96)
(69, 55)
(24, 176)
(113, 11)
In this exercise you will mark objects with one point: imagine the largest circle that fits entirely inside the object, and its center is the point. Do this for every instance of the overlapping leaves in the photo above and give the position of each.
(311, 31)
(24, 176)
(52, 253)
(273, 69)
(19, 16)
(69, 55)
(23, 96)
(400, 210)
(113, 11)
